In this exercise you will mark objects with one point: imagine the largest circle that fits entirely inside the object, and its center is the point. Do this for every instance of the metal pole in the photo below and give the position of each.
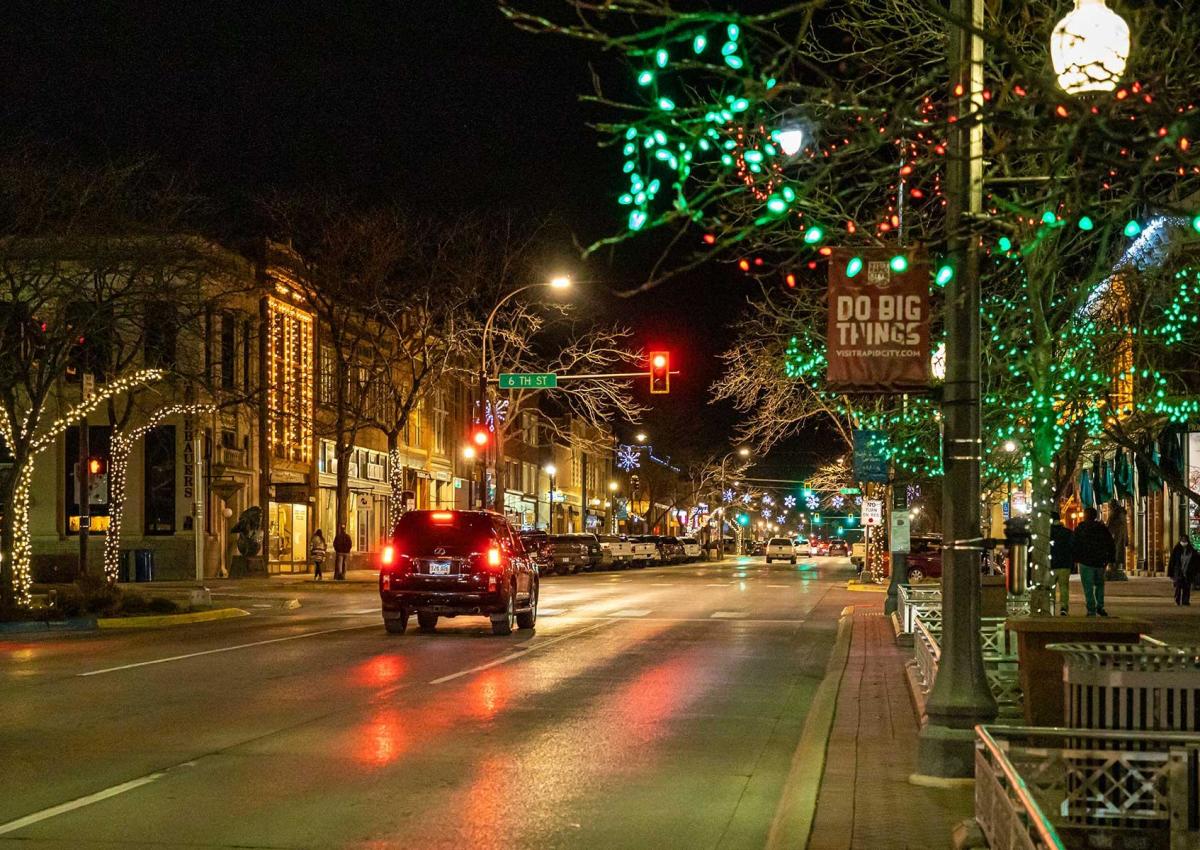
(481, 422)
(198, 508)
(721, 521)
(83, 481)
(961, 698)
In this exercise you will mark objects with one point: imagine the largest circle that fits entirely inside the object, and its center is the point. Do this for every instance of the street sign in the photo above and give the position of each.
(872, 512)
(533, 381)
(850, 491)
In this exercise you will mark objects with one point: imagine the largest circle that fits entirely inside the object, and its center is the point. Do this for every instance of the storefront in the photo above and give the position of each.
(287, 550)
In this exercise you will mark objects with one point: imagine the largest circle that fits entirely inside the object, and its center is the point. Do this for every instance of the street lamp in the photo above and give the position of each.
(744, 452)
(791, 139)
(558, 282)
(1089, 48)
(640, 436)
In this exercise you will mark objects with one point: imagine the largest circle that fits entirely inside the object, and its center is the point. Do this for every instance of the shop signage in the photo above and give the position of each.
(877, 334)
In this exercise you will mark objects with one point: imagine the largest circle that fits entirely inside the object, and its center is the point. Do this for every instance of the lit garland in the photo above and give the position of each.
(118, 467)
(22, 554)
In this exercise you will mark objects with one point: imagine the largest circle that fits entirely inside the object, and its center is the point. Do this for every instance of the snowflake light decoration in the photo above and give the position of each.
(913, 492)
(858, 501)
(746, 498)
(629, 458)
(767, 500)
(727, 496)
(496, 411)
(813, 501)
(837, 501)
(767, 515)
(789, 501)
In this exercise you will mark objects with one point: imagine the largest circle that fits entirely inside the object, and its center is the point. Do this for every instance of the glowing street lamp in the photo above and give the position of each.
(1089, 48)
(791, 139)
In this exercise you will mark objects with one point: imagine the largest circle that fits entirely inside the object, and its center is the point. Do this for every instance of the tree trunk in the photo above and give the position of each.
(118, 470)
(1041, 454)
(7, 488)
(15, 576)
(342, 451)
(498, 501)
(395, 479)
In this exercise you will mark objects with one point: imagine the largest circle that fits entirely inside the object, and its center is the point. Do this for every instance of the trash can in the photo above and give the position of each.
(1133, 687)
(143, 565)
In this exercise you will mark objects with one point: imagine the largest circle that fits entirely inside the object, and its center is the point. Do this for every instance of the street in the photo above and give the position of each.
(650, 708)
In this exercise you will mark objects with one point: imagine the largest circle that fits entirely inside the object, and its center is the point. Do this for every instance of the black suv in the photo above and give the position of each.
(446, 563)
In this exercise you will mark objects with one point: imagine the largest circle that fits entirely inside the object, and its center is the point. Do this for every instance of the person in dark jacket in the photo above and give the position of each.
(1182, 568)
(1061, 562)
(1092, 548)
(342, 544)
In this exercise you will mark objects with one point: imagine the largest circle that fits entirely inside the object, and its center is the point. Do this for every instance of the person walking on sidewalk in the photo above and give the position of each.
(1061, 562)
(1182, 569)
(341, 552)
(1092, 548)
(316, 551)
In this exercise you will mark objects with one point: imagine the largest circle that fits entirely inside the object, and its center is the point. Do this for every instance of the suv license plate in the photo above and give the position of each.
(439, 568)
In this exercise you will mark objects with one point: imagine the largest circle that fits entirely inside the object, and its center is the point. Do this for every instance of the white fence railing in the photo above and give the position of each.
(913, 602)
(999, 657)
(1048, 788)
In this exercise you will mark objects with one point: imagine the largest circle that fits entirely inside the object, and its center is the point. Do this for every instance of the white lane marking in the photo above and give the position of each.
(726, 584)
(728, 615)
(513, 656)
(78, 803)
(661, 584)
(220, 649)
(630, 612)
(778, 585)
(550, 612)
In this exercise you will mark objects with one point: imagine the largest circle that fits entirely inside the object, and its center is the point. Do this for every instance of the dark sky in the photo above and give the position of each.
(440, 103)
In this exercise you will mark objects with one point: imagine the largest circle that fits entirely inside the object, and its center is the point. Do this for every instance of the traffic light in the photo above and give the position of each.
(743, 519)
(817, 519)
(95, 466)
(480, 436)
(660, 372)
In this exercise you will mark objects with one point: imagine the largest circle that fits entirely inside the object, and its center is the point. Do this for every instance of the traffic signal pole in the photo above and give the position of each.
(83, 484)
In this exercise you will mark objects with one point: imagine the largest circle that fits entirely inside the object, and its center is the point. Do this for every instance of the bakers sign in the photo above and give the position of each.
(878, 328)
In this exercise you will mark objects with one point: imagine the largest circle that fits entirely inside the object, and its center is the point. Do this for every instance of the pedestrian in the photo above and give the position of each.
(1182, 568)
(1119, 529)
(1092, 548)
(342, 544)
(316, 551)
(1061, 562)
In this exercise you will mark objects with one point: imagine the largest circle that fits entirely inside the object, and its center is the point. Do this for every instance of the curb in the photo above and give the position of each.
(793, 822)
(155, 621)
(866, 588)
(23, 627)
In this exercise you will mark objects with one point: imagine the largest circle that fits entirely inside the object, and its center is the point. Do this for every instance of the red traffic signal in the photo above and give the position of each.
(95, 466)
(480, 436)
(660, 372)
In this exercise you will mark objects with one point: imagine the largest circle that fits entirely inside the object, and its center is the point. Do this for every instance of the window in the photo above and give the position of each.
(246, 355)
(99, 442)
(228, 351)
(160, 480)
(441, 423)
(162, 332)
(413, 431)
(325, 376)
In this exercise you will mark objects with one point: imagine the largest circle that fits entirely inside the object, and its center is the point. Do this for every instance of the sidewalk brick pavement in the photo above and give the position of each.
(865, 800)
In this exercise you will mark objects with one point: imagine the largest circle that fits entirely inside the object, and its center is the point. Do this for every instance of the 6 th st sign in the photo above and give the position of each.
(533, 381)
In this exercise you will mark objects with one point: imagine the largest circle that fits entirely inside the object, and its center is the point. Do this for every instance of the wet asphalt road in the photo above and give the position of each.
(651, 708)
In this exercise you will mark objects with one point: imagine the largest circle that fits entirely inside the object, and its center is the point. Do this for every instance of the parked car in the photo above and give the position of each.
(758, 547)
(672, 549)
(652, 549)
(570, 553)
(924, 558)
(691, 549)
(781, 549)
(838, 547)
(858, 554)
(802, 546)
(536, 543)
(452, 563)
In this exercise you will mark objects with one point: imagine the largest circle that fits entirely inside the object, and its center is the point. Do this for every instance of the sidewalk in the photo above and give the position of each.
(866, 800)
(1150, 599)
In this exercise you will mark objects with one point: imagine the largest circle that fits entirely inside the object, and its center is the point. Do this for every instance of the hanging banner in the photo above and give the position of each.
(877, 335)
(870, 456)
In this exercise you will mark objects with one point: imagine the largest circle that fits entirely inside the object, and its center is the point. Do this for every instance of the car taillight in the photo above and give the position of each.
(389, 556)
(442, 516)
(493, 557)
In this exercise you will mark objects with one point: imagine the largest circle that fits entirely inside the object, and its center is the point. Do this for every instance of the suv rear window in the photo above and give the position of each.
(780, 541)
(459, 533)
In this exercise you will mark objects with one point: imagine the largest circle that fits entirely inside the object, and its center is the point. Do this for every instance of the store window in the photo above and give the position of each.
(159, 446)
(99, 437)
(290, 380)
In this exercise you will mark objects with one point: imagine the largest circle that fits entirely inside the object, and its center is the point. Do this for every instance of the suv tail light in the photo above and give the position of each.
(494, 558)
(389, 555)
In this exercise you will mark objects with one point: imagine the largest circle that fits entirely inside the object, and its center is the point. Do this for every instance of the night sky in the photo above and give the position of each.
(441, 104)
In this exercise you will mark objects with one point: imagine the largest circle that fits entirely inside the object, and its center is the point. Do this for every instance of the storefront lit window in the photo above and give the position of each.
(290, 381)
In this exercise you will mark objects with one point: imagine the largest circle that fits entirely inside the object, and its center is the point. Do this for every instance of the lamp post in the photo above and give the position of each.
(612, 489)
(551, 470)
(1089, 48)
(559, 282)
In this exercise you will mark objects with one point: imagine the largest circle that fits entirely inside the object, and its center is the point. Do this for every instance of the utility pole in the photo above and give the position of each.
(961, 698)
